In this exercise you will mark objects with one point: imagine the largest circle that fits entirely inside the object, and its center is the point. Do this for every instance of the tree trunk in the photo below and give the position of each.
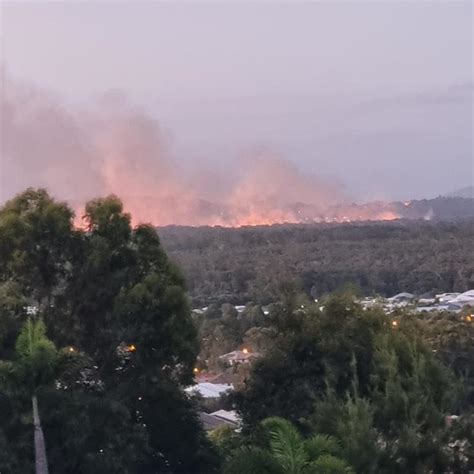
(41, 461)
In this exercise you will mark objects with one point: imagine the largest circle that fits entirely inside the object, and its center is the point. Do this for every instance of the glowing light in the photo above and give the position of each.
(131, 348)
(243, 210)
(71, 349)
(245, 351)
(469, 318)
(196, 370)
(385, 216)
(394, 324)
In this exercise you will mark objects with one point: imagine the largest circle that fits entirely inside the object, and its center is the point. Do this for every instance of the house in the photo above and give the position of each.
(222, 378)
(239, 357)
(209, 390)
(212, 421)
(229, 415)
(446, 297)
(203, 377)
(426, 301)
(466, 298)
(402, 298)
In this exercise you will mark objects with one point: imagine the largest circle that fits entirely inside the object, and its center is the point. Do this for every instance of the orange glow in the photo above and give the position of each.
(196, 370)
(131, 348)
(245, 351)
(115, 147)
(145, 210)
(268, 190)
(386, 216)
(469, 318)
(394, 324)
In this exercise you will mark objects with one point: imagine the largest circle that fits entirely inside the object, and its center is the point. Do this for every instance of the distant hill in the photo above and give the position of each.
(467, 193)
(440, 208)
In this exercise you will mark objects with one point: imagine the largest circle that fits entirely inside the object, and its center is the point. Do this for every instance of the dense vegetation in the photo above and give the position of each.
(97, 343)
(114, 344)
(383, 388)
(249, 264)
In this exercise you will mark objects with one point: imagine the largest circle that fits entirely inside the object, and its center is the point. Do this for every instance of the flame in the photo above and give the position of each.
(243, 217)
(386, 216)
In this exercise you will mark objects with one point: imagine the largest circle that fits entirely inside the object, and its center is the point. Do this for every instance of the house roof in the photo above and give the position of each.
(209, 390)
(229, 415)
(239, 355)
(208, 377)
(223, 378)
(402, 296)
(464, 298)
(211, 422)
(203, 377)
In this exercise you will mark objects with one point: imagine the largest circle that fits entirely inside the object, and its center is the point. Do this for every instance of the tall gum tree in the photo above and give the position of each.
(110, 294)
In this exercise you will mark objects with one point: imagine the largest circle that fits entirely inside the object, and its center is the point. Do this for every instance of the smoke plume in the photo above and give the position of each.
(113, 147)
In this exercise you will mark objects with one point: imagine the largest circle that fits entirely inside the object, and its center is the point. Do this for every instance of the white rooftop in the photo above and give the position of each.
(402, 296)
(209, 390)
(464, 298)
(227, 415)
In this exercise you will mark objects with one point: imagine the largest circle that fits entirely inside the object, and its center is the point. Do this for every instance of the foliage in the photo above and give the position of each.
(250, 263)
(110, 297)
(348, 373)
(12, 316)
(37, 355)
(311, 348)
(450, 336)
(35, 238)
(287, 452)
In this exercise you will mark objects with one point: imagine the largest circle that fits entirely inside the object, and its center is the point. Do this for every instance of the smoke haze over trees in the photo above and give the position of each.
(115, 147)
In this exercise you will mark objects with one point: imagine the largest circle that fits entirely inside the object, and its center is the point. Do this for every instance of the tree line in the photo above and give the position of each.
(250, 264)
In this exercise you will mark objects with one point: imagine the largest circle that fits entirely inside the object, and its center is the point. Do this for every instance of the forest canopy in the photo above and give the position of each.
(386, 258)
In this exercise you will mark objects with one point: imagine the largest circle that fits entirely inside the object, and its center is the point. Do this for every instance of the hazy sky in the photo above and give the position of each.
(377, 95)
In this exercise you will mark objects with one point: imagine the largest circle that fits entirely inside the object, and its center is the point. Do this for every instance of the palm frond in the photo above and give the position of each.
(328, 464)
(320, 445)
(286, 444)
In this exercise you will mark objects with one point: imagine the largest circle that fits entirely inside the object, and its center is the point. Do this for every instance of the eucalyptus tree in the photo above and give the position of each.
(110, 296)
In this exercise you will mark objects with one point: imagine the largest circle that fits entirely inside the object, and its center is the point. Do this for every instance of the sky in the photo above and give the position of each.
(374, 98)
